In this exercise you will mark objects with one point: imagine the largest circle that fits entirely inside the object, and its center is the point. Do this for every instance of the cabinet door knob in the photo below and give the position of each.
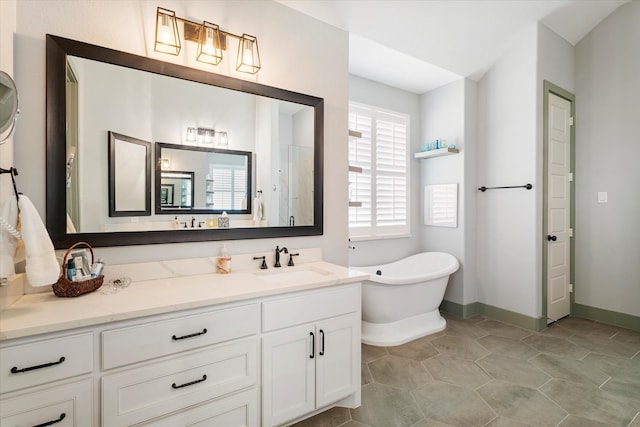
(15, 369)
(175, 338)
(52, 422)
(313, 345)
(204, 378)
(321, 343)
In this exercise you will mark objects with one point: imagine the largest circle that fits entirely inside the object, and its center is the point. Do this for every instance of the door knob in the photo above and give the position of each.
(551, 238)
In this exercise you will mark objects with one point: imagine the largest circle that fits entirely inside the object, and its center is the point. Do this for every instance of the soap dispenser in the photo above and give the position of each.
(223, 265)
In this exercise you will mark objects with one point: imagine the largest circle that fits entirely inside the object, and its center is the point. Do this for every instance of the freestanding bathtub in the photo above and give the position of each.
(400, 300)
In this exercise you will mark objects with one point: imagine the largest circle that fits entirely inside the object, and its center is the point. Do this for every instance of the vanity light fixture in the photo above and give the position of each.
(248, 57)
(207, 136)
(209, 47)
(167, 36)
(210, 39)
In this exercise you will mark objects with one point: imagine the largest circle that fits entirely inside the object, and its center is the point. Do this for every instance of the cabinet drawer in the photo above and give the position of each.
(309, 307)
(40, 362)
(238, 410)
(71, 404)
(144, 393)
(150, 340)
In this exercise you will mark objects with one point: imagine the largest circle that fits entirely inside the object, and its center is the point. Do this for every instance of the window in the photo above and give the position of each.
(381, 189)
(228, 187)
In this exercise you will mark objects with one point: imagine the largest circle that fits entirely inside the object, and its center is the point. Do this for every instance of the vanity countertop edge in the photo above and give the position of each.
(43, 312)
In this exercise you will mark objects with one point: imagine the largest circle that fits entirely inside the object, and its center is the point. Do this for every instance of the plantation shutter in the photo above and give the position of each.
(229, 186)
(391, 168)
(382, 187)
(360, 155)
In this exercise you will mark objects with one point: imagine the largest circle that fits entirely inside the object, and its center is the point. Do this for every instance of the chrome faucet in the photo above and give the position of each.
(278, 250)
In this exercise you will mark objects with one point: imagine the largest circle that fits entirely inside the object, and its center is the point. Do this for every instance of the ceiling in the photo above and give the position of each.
(418, 45)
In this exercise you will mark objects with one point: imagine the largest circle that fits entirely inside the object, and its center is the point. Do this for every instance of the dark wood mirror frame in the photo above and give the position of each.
(57, 49)
(113, 187)
(163, 210)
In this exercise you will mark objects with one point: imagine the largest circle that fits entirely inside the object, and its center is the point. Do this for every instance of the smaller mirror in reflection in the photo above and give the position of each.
(129, 176)
(220, 180)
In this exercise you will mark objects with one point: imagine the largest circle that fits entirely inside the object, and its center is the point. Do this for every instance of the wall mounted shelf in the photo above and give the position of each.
(436, 153)
(355, 204)
(355, 133)
(355, 169)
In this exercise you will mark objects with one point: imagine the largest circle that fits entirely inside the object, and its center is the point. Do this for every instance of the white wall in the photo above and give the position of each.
(7, 28)
(375, 94)
(607, 151)
(128, 25)
(508, 259)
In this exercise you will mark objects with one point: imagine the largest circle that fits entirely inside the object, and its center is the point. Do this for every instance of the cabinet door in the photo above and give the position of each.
(338, 358)
(288, 371)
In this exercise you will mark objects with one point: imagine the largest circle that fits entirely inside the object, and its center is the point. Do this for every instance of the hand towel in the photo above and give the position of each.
(8, 241)
(70, 227)
(42, 267)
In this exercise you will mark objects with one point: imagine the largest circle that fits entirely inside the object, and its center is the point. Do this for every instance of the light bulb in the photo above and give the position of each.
(247, 53)
(165, 31)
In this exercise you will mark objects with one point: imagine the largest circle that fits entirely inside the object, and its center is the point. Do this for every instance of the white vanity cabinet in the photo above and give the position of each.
(310, 352)
(242, 352)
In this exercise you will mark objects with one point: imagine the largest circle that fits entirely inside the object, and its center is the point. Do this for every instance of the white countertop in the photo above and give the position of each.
(162, 287)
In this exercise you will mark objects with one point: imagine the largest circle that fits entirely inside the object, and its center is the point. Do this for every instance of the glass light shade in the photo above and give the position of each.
(191, 134)
(224, 139)
(167, 36)
(209, 48)
(248, 56)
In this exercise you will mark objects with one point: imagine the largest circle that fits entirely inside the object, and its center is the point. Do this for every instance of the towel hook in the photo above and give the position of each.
(13, 171)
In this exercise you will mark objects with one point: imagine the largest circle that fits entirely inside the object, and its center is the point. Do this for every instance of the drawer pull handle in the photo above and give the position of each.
(175, 338)
(174, 385)
(15, 369)
(313, 345)
(52, 422)
(321, 343)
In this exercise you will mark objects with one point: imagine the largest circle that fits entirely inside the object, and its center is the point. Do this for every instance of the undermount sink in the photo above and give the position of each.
(288, 274)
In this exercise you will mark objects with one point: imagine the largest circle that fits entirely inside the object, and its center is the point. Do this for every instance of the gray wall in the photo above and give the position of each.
(508, 259)
(445, 114)
(607, 154)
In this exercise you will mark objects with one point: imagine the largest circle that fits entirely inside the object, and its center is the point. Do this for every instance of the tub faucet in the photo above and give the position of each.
(278, 250)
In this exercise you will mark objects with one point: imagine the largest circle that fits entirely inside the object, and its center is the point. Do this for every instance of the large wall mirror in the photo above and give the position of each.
(218, 144)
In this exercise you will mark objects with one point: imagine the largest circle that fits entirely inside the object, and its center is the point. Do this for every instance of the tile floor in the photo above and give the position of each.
(480, 372)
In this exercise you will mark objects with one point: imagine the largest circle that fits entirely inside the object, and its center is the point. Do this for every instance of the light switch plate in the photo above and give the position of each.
(602, 197)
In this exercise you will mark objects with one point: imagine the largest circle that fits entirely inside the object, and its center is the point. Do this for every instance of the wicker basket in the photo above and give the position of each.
(66, 288)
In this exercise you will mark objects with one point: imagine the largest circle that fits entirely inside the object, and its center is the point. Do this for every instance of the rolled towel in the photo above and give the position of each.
(257, 209)
(42, 267)
(8, 241)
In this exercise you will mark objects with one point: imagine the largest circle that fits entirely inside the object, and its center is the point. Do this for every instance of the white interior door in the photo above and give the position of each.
(558, 208)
